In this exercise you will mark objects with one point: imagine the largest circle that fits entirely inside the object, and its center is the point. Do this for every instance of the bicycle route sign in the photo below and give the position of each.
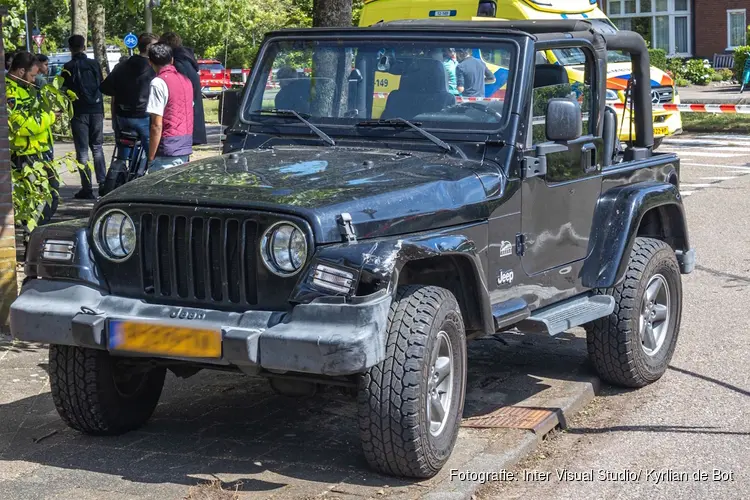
(131, 41)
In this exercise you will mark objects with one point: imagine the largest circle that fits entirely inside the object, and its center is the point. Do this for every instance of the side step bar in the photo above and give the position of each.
(570, 313)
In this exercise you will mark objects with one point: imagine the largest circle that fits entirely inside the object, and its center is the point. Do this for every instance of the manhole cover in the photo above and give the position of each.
(513, 417)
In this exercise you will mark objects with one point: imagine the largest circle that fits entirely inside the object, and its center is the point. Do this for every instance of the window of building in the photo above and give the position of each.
(665, 24)
(736, 28)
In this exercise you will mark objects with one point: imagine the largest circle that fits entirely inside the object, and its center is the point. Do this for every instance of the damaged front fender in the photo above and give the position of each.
(453, 258)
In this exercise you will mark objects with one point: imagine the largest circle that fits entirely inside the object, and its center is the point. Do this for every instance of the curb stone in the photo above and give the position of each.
(524, 443)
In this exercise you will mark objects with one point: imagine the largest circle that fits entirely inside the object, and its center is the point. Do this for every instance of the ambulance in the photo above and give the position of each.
(663, 90)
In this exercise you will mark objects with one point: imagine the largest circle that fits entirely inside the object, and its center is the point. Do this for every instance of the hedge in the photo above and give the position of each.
(740, 55)
(658, 58)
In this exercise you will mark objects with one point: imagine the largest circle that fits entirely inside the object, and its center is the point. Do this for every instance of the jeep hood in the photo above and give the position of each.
(386, 192)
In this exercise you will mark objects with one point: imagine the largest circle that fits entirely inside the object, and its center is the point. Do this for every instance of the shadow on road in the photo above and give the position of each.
(219, 424)
(712, 380)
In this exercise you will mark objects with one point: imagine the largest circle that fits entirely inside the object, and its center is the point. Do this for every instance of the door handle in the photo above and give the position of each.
(588, 160)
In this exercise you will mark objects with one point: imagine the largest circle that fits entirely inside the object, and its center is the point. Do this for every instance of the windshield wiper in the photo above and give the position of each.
(401, 122)
(288, 112)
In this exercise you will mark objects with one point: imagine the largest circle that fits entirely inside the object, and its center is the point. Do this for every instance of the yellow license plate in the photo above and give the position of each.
(658, 131)
(151, 338)
(216, 89)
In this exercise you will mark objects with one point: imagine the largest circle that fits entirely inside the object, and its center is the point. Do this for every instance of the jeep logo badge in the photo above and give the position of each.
(504, 277)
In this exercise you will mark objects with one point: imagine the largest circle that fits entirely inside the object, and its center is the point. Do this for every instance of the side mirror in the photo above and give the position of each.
(564, 120)
(229, 104)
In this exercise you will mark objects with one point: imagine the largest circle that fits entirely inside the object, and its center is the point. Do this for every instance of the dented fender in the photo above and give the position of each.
(379, 263)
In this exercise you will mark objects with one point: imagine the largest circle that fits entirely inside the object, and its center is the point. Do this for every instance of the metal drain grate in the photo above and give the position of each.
(515, 417)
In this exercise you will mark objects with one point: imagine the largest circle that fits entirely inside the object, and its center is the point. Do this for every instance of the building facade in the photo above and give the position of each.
(684, 28)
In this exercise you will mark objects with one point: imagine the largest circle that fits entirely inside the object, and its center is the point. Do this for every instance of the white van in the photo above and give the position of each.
(58, 59)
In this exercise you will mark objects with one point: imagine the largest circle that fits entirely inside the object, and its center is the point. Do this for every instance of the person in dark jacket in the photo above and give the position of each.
(129, 84)
(184, 61)
(83, 76)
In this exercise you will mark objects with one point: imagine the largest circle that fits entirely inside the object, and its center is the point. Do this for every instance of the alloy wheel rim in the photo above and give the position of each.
(440, 383)
(655, 315)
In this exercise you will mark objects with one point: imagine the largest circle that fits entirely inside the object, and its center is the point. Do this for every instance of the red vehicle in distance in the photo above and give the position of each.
(214, 77)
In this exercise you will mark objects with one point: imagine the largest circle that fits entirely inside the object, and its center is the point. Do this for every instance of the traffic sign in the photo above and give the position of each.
(38, 40)
(131, 41)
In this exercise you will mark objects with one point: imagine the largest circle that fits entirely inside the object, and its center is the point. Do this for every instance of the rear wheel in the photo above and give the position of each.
(634, 345)
(100, 394)
(410, 404)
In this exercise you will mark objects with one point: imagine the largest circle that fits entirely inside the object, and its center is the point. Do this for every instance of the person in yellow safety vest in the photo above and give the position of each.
(30, 126)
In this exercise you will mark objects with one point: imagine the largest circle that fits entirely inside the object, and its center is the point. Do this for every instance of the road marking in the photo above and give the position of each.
(726, 149)
(737, 168)
(686, 193)
(719, 136)
(708, 153)
(697, 186)
(717, 178)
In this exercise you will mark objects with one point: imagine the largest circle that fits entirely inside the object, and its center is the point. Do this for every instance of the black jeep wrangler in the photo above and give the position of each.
(366, 221)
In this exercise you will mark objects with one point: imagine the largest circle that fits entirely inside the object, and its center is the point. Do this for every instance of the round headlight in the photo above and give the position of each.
(114, 235)
(284, 249)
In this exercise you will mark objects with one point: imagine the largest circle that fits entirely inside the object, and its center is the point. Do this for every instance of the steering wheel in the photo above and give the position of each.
(480, 107)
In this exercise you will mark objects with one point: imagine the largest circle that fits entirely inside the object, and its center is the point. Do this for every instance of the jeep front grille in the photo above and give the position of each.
(205, 259)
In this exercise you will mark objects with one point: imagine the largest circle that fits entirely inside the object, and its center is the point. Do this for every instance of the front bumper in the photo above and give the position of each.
(325, 337)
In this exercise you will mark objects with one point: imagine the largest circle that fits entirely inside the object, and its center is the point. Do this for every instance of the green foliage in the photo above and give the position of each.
(14, 27)
(726, 74)
(676, 68)
(699, 71)
(740, 56)
(681, 82)
(717, 77)
(658, 58)
(31, 186)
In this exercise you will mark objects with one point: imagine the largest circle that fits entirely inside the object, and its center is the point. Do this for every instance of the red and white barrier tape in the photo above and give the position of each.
(697, 108)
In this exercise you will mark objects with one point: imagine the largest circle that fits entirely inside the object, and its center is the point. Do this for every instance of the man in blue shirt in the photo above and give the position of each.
(472, 74)
(450, 64)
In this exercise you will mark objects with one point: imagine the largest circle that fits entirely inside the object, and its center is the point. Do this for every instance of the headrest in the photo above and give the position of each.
(424, 75)
(550, 74)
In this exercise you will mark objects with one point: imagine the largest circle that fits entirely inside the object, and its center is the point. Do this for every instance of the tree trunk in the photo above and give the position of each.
(330, 66)
(98, 36)
(80, 16)
(149, 17)
(332, 13)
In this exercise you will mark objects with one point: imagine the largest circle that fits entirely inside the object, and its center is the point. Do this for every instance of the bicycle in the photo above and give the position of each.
(745, 75)
(128, 162)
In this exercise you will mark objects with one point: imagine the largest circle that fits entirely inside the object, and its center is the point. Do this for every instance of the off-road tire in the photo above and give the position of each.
(392, 398)
(87, 397)
(614, 342)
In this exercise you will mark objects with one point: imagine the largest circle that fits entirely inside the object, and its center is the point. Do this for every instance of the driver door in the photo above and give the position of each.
(558, 206)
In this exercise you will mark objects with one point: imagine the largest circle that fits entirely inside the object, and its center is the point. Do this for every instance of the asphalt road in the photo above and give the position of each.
(219, 426)
(687, 436)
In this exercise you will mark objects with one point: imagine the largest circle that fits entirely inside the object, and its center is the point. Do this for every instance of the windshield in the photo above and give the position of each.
(568, 57)
(211, 66)
(346, 82)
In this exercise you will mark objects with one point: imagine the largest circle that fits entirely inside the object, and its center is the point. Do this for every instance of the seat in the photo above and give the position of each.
(610, 137)
(546, 75)
(423, 89)
(295, 96)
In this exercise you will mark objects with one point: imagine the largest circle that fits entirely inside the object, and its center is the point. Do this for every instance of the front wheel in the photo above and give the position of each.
(410, 404)
(99, 394)
(633, 346)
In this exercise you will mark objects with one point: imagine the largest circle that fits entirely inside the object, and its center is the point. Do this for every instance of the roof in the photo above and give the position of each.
(528, 27)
